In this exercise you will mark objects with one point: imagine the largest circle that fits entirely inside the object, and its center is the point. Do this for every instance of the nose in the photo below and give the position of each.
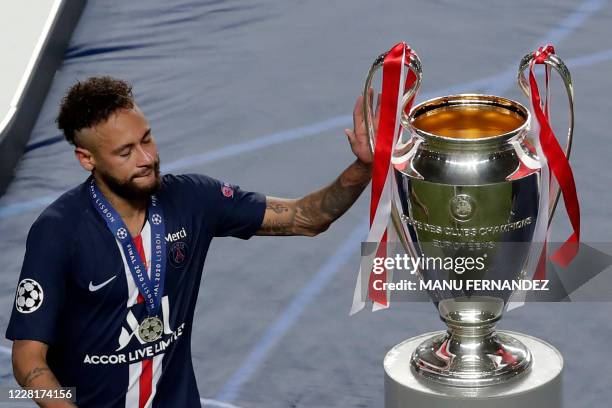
(145, 157)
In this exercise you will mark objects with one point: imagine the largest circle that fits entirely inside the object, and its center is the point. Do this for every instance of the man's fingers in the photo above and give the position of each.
(358, 119)
(358, 111)
(350, 134)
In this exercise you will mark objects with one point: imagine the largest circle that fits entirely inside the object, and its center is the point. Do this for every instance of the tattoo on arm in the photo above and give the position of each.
(278, 208)
(48, 381)
(278, 219)
(318, 210)
(339, 197)
(314, 213)
(34, 374)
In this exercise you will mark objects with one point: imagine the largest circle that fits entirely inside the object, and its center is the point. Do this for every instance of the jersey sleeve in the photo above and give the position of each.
(41, 293)
(229, 210)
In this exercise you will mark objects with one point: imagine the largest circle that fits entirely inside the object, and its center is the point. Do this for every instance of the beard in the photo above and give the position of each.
(129, 190)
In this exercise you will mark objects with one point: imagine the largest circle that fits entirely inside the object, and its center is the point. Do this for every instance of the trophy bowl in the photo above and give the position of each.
(468, 186)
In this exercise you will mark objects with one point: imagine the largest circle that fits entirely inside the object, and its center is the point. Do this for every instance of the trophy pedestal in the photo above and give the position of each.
(540, 386)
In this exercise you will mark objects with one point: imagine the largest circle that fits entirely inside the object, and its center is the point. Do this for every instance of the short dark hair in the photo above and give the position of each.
(92, 102)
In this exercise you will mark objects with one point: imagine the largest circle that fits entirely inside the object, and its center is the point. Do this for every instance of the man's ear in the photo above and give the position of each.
(85, 158)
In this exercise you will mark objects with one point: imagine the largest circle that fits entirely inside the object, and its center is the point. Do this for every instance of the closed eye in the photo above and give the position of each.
(126, 149)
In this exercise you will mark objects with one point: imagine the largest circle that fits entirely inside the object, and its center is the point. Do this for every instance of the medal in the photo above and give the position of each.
(151, 329)
(151, 288)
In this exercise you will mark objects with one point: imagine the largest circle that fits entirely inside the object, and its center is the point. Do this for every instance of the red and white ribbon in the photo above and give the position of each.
(551, 152)
(396, 81)
(556, 173)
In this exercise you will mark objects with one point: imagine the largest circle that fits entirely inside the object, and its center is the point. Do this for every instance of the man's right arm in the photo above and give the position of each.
(31, 370)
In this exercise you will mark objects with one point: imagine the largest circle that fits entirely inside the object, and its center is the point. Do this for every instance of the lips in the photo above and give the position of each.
(142, 175)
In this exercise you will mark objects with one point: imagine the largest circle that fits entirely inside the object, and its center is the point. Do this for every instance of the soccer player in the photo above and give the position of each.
(112, 268)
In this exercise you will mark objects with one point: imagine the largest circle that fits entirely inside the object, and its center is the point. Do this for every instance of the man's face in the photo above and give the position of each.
(122, 153)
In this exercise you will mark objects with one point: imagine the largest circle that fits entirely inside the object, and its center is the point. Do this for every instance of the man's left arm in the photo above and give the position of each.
(314, 213)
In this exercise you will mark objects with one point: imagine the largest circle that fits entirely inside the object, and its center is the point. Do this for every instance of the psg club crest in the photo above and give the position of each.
(227, 190)
(29, 296)
(178, 253)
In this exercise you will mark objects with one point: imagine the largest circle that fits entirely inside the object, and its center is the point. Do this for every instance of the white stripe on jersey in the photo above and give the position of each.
(133, 391)
(157, 370)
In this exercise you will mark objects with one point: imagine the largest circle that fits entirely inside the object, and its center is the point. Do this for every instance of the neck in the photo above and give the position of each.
(127, 208)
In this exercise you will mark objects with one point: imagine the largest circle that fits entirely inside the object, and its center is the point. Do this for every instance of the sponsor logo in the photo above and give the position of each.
(144, 352)
(93, 288)
(29, 296)
(132, 323)
(175, 236)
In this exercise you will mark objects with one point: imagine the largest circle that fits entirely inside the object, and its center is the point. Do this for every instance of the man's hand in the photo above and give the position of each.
(358, 137)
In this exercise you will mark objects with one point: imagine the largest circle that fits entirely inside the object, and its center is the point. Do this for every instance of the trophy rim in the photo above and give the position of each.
(470, 99)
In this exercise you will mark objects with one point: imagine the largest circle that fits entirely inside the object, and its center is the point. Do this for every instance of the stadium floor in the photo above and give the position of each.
(258, 94)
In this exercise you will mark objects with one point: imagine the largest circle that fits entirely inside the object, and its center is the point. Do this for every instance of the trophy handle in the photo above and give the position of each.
(414, 64)
(557, 63)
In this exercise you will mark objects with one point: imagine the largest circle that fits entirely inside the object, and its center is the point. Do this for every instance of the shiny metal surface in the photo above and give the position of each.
(540, 386)
(471, 352)
(459, 199)
(414, 64)
(468, 185)
(557, 63)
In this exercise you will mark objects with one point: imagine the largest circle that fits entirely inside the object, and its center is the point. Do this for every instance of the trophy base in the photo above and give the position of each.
(478, 360)
(539, 386)
(471, 353)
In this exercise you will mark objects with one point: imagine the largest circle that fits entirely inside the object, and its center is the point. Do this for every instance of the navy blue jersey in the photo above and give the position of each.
(76, 293)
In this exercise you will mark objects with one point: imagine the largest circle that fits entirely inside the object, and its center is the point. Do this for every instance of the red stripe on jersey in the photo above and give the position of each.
(141, 252)
(146, 375)
(146, 382)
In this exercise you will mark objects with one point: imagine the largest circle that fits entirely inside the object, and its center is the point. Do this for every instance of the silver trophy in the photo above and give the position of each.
(467, 188)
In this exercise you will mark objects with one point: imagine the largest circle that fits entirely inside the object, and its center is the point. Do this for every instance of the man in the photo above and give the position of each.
(111, 274)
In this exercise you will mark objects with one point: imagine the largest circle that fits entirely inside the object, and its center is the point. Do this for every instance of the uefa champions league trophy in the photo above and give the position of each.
(468, 185)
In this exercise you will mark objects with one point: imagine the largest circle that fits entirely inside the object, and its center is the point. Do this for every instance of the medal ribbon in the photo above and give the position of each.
(557, 162)
(151, 289)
